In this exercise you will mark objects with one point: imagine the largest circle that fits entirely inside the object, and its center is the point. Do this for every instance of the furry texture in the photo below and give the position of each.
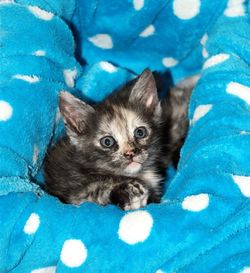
(80, 168)
(131, 172)
(174, 115)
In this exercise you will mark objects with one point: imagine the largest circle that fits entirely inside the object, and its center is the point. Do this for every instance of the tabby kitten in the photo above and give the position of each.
(116, 151)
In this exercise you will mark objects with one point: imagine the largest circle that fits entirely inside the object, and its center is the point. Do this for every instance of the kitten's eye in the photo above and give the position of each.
(140, 132)
(107, 141)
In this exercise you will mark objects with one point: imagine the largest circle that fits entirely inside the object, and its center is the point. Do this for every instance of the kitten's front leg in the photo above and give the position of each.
(129, 195)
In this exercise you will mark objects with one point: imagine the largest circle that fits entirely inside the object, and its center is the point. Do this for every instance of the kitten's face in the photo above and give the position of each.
(119, 135)
(123, 140)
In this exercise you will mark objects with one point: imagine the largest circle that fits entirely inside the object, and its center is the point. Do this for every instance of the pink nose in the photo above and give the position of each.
(129, 153)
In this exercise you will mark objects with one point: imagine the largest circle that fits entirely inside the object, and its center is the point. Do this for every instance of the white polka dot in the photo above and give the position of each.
(6, 111)
(103, 41)
(74, 253)
(39, 53)
(196, 202)
(203, 42)
(40, 13)
(245, 270)
(108, 67)
(58, 116)
(70, 76)
(6, 2)
(204, 53)
(138, 4)
(186, 9)
(148, 31)
(135, 227)
(235, 8)
(239, 90)
(35, 154)
(204, 39)
(216, 59)
(32, 224)
(243, 183)
(49, 269)
(160, 271)
(244, 133)
(27, 78)
(200, 111)
(169, 62)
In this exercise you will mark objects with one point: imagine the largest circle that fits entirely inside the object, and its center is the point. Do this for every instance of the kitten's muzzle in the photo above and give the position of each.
(131, 153)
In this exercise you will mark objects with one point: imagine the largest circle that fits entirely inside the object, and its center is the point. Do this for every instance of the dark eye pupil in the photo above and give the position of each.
(139, 132)
(107, 142)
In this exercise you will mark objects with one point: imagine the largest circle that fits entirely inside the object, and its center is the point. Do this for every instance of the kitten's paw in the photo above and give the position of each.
(129, 196)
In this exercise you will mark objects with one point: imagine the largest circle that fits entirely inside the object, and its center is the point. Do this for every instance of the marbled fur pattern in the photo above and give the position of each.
(79, 169)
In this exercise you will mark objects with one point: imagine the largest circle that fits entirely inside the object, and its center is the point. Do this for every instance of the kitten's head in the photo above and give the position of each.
(119, 135)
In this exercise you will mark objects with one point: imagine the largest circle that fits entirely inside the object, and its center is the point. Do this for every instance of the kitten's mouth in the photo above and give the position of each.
(133, 167)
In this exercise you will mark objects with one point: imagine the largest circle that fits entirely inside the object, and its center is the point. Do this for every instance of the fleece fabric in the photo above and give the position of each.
(90, 48)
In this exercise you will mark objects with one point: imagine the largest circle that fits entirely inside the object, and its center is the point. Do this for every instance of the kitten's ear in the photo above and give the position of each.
(74, 113)
(145, 90)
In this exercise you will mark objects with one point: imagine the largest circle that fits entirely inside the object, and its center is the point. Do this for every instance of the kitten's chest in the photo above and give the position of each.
(151, 177)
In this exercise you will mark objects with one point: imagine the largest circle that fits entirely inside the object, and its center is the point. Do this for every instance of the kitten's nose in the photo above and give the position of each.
(131, 153)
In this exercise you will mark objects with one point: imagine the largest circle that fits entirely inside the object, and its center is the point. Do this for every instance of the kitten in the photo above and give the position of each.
(116, 151)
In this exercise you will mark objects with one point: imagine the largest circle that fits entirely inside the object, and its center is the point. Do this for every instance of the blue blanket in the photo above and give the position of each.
(90, 48)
